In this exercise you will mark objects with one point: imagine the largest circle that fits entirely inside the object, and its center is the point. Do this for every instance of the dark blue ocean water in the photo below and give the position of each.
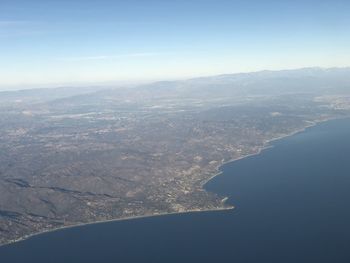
(292, 205)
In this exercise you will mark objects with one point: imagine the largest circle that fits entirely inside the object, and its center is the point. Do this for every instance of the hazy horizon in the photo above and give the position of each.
(131, 83)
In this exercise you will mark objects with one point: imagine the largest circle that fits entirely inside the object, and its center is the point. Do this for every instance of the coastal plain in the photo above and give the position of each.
(71, 156)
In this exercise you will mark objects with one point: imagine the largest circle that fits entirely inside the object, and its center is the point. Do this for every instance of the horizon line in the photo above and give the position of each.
(137, 82)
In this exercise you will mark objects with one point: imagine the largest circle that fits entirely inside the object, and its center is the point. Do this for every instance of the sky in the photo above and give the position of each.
(64, 42)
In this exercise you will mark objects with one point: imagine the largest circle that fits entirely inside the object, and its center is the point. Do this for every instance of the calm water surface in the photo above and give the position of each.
(292, 205)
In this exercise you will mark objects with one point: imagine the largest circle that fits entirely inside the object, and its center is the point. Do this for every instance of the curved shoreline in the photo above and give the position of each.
(116, 220)
(266, 145)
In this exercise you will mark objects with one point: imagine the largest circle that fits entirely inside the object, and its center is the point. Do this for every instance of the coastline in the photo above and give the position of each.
(266, 145)
(115, 220)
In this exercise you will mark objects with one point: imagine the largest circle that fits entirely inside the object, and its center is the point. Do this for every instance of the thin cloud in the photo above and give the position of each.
(12, 23)
(109, 57)
(19, 28)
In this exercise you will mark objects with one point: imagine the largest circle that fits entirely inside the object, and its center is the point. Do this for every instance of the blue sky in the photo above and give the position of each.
(59, 42)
